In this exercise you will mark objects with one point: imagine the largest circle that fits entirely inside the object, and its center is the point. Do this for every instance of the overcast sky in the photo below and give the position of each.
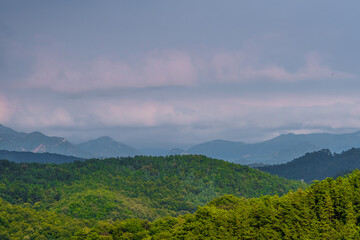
(176, 73)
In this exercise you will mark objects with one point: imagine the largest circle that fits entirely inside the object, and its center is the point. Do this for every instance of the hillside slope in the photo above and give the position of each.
(22, 222)
(37, 142)
(327, 210)
(317, 165)
(142, 187)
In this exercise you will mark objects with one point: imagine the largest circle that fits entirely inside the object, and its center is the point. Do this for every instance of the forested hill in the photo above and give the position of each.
(327, 210)
(317, 165)
(142, 187)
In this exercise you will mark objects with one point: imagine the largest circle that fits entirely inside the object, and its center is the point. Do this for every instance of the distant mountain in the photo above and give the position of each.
(281, 149)
(317, 165)
(107, 147)
(6, 130)
(27, 157)
(37, 142)
(220, 149)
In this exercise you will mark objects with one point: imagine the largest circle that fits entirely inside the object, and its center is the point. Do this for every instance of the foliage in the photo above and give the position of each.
(132, 187)
(317, 165)
(328, 210)
(18, 222)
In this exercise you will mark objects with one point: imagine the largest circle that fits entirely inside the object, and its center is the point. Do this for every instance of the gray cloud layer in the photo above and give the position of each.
(156, 74)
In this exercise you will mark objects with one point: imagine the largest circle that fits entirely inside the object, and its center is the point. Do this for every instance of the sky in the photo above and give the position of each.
(162, 74)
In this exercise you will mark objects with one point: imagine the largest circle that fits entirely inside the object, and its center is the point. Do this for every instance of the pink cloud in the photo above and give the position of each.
(176, 68)
(235, 111)
(236, 67)
(41, 114)
(170, 68)
(138, 113)
(5, 110)
(167, 68)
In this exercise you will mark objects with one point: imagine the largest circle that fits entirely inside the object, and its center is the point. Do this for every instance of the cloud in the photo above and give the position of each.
(235, 67)
(42, 115)
(195, 118)
(185, 110)
(167, 68)
(225, 112)
(5, 110)
(137, 113)
(223, 94)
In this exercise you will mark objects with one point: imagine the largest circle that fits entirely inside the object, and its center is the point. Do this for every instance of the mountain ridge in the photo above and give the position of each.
(107, 147)
(280, 149)
(317, 165)
(27, 157)
(38, 142)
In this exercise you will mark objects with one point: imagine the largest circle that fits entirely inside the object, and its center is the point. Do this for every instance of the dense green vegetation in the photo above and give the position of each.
(317, 165)
(327, 210)
(138, 187)
(18, 222)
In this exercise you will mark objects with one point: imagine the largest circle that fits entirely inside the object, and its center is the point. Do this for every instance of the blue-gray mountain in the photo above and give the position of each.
(107, 147)
(37, 142)
(281, 149)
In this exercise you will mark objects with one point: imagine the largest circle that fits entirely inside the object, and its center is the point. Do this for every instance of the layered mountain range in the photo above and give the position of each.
(281, 149)
(37, 142)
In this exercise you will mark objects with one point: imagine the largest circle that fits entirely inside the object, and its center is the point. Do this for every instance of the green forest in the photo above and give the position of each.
(317, 165)
(173, 197)
(133, 187)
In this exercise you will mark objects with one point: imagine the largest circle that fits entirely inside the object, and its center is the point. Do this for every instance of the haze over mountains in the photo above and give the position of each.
(281, 149)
